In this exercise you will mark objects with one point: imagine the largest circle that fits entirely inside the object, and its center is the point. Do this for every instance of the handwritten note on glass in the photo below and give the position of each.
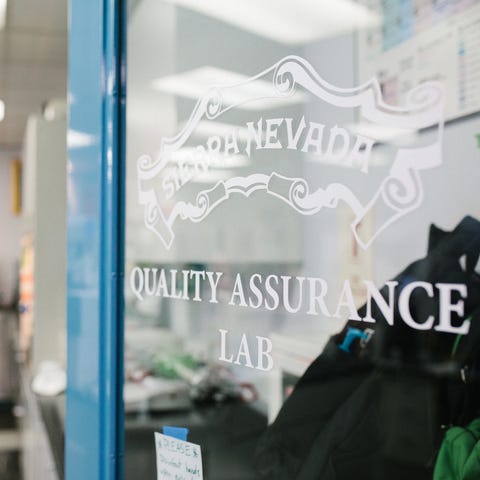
(177, 460)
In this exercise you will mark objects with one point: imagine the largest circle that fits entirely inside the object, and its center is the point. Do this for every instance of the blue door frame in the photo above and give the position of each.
(95, 239)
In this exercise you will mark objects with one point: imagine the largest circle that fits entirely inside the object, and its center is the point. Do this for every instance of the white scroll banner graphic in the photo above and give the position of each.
(400, 192)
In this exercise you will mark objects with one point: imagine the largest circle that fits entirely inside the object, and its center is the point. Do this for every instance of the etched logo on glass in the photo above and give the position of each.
(399, 192)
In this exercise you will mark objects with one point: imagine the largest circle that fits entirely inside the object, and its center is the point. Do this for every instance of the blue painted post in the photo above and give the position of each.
(95, 178)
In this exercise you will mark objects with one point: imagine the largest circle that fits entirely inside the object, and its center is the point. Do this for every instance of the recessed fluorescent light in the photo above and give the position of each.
(213, 176)
(2, 110)
(194, 83)
(188, 155)
(382, 133)
(287, 21)
(210, 176)
(377, 159)
(205, 129)
(3, 13)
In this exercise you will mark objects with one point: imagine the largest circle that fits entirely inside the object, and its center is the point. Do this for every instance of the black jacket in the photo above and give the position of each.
(377, 413)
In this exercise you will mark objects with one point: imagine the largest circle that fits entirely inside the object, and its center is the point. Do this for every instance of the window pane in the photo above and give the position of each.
(302, 237)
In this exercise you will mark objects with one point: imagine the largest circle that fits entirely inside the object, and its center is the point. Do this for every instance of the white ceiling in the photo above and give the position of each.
(33, 62)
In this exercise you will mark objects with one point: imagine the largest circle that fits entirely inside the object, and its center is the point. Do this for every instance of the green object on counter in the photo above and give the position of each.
(459, 455)
(167, 365)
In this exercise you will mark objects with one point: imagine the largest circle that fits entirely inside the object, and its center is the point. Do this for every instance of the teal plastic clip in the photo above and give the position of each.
(352, 334)
(179, 433)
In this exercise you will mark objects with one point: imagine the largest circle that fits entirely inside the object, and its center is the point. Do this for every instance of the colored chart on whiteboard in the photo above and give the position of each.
(421, 40)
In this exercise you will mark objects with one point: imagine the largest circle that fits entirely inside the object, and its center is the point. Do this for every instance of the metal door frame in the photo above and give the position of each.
(95, 240)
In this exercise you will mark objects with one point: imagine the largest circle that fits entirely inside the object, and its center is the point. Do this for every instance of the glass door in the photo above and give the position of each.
(301, 289)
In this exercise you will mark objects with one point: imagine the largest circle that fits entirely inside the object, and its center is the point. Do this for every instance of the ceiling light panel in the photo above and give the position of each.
(286, 21)
(194, 83)
(205, 129)
(188, 156)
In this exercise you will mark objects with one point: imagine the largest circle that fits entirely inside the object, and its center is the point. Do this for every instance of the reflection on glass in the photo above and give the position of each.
(302, 288)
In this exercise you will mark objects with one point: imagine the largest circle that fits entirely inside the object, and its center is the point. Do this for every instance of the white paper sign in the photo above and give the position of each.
(177, 460)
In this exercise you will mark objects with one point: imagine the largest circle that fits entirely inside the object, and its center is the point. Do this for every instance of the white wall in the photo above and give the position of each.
(10, 228)
(450, 190)
(45, 217)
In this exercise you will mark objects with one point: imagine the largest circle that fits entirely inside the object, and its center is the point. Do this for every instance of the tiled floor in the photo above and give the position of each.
(9, 445)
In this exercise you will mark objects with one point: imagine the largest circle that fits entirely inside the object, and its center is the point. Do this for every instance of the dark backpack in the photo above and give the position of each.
(380, 409)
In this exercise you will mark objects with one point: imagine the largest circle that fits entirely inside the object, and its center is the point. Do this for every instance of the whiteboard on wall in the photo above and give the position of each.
(422, 40)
